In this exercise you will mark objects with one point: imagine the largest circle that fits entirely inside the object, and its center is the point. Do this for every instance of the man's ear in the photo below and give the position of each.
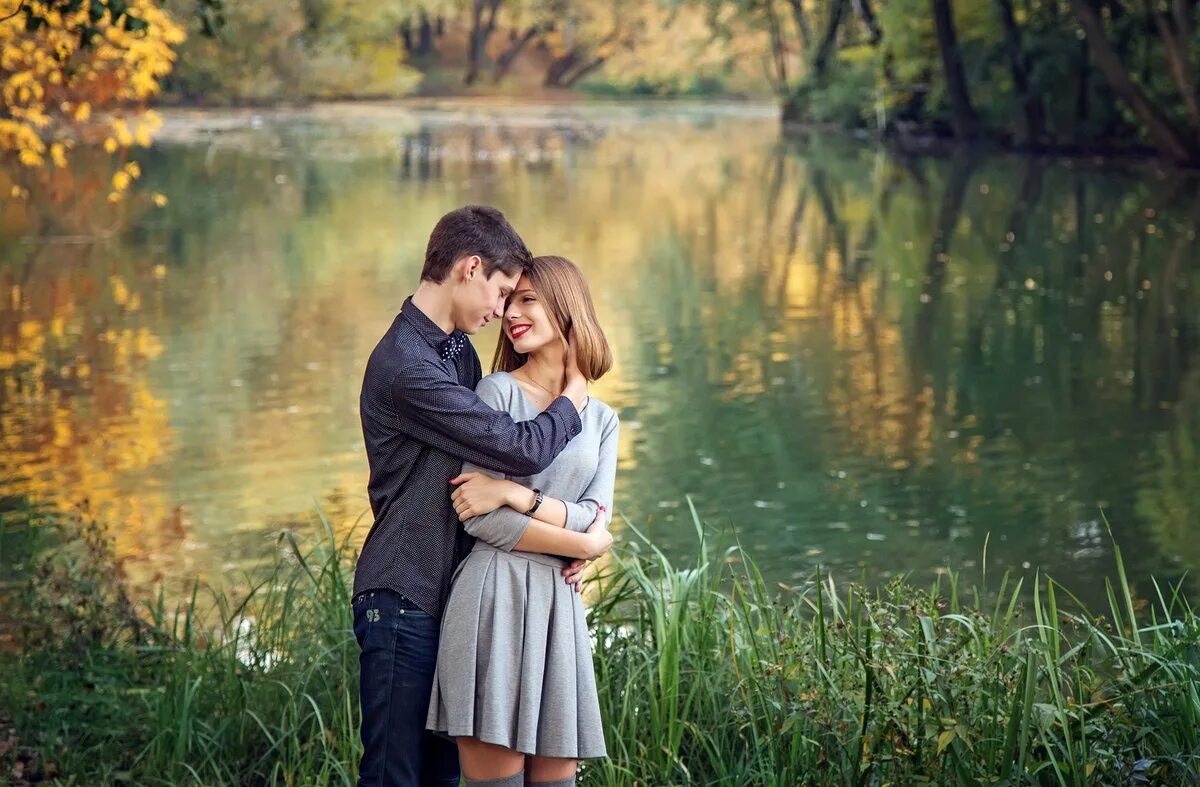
(466, 267)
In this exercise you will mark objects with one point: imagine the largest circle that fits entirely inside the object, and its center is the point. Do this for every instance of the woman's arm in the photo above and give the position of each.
(599, 493)
(551, 540)
(507, 529)
(491, 507)
(576, 516)
(482, 492)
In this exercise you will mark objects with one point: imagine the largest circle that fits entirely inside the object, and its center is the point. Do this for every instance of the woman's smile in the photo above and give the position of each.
(519, 330)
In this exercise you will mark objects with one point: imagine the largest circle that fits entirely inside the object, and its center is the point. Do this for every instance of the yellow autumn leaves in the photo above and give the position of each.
(55, 352)
(123, 178)
(56, 93)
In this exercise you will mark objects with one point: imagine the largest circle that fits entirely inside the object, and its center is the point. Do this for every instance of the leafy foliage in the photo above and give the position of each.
(75, 73)
(269, 51)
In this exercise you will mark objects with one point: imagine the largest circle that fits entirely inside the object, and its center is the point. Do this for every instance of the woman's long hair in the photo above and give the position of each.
(565, 295)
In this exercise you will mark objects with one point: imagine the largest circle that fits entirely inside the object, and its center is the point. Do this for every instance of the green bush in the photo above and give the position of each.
(642, 86)
(850, 100)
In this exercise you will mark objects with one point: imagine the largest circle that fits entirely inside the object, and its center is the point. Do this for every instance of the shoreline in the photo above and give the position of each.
(183, 119)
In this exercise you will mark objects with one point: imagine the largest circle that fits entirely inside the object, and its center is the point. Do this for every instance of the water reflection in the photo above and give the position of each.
(859, 360)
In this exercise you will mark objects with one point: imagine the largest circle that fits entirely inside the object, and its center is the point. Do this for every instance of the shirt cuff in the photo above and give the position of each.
(564, 410)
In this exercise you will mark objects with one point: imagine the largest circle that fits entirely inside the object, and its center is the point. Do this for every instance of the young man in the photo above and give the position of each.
(421, 419)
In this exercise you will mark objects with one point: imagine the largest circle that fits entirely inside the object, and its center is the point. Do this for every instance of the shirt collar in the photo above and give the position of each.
(427, 328)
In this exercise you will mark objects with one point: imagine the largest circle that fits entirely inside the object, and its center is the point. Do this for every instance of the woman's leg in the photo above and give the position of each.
(489, 763)
(557, 771)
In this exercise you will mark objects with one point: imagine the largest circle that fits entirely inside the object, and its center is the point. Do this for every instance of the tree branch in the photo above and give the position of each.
(1161, 128)
(20, 8)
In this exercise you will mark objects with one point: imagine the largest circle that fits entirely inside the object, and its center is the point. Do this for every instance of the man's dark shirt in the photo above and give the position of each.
(421, 418)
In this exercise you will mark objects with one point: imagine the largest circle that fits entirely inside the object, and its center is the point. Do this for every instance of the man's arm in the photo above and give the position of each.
(438, 411)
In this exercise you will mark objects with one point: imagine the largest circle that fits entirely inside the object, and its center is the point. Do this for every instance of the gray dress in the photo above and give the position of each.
(514, 661)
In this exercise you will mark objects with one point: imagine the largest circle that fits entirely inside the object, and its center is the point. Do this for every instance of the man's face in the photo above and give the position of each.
(478, 298)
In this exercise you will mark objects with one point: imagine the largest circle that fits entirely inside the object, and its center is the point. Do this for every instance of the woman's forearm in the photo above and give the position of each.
(549, 539)
(552, 511)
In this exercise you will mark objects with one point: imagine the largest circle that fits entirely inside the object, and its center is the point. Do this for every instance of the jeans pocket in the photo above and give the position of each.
(360, 626)
(373, 612)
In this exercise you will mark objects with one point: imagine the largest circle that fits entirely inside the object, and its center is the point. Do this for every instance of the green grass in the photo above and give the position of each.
(706, 676)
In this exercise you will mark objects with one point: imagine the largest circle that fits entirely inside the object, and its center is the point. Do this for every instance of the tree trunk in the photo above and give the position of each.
(801, 23)
(1034, 123)
(778, 55)
(509, 56)
(405, 33)
(556, 72)
(584, 70)
(966, 122)
(1175, 36)
(1171, 140)
(863, 9)
(828, 39)
(867, 15)
(570, 68)
(424, 35)
(1082, 95)
(481, 31)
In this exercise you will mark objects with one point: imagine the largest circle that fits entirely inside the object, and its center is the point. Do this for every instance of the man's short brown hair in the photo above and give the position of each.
(474, 229)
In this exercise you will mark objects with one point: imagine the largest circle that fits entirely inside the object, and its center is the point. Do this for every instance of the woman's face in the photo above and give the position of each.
(527, 324)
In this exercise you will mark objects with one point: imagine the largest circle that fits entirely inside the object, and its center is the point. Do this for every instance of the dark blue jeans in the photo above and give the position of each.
(399, 650)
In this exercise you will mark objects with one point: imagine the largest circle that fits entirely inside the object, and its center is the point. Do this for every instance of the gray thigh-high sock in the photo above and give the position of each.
(568, 782)
(516, 780)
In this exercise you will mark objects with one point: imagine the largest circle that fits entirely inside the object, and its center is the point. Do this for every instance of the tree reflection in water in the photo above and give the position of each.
(863, 360)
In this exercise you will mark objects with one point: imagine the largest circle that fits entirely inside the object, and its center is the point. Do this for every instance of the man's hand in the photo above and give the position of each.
(598, 530)
(576, 384)
(478, 494)
(573, 573)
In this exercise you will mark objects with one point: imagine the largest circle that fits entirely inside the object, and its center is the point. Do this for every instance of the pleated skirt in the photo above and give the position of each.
(514, 663)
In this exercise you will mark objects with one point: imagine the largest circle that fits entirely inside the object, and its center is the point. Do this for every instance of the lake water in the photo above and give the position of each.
(845, 357)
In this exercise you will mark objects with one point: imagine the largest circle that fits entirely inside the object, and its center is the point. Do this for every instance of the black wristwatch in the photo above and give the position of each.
(537, 501)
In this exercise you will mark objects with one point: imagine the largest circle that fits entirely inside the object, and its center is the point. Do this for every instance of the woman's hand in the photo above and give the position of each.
(599, 539)
(478, 494)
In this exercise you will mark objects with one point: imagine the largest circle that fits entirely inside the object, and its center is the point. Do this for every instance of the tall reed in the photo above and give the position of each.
(706, 676)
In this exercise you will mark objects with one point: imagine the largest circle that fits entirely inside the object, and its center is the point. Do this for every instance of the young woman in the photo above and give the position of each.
(514, 683)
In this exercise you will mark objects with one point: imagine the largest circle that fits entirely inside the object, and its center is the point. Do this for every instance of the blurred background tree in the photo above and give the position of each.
(1059, 76)
(75, 73)
(1042, 75)
(271, 50)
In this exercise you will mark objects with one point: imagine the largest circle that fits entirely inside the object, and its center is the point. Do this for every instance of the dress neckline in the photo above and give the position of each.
(533, 404)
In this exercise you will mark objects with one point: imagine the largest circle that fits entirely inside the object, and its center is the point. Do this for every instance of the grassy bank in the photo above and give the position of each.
(706, 676)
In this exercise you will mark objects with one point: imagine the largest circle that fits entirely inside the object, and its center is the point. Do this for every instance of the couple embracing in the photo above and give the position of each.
(490, 494)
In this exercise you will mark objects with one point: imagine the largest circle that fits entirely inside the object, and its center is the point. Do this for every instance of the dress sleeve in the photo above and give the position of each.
(599, 491)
